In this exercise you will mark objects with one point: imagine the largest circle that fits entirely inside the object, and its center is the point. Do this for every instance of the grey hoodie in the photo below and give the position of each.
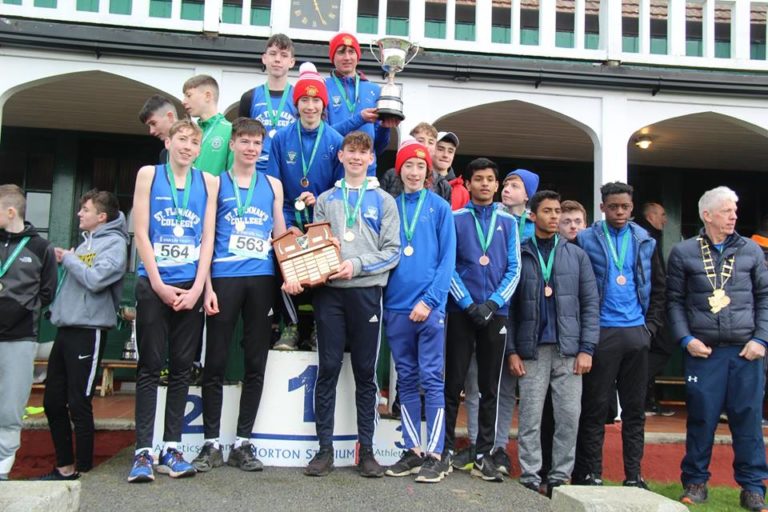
(90, 290)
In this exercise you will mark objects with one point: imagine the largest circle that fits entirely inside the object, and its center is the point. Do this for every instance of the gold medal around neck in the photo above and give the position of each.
(718, 301)
(408, 251)
(548, 291)
(621, 280)
(178, 231)
(349, 236)
(304, 182)
(240, 226)
(484, 260)
(299, 205)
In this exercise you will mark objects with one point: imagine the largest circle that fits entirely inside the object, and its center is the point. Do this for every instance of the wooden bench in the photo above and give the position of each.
(108, 367)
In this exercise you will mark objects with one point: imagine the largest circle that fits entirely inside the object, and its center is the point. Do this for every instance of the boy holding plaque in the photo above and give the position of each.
(249, 213)
(174, 208)
(271, 103)
(414, 316)
(348, 309)
(486, 275)
(27, 284)
(553, 331)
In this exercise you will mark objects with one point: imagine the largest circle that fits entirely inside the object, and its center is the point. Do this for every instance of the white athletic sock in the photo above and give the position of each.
(139, 450)
(214, 442)
(239, 442)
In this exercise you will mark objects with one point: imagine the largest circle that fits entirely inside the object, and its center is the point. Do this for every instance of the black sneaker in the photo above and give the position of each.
(636, 481)
(752, 500)
(654, 409)
(465, 459)
(551, 487)
(485, 468)
(433, 470)
(244, 458)
(367, 464)
(409, 464)
(531, 486)
(694, 494)
(209, 457)
(55, 474)
(321, 464)
(501, 460)
(588, 479)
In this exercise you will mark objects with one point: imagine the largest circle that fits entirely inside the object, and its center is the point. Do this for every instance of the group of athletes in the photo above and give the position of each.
(528, 308)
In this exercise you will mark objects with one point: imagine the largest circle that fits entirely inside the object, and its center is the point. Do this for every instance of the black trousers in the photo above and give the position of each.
(662, 347)
(488, 344)
(159, 327)
(71, 377)
(347, 316)
(252, 298)
(621, 356)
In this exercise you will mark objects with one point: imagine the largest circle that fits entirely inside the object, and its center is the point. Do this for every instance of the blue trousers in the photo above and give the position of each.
(725, 381)
(347, 317)
(417, 348)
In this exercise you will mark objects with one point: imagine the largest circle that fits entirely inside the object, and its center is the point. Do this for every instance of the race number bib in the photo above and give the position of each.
(176, 249)
(249, 245)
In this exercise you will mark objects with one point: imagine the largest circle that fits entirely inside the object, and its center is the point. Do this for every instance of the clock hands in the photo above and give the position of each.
(317, 10)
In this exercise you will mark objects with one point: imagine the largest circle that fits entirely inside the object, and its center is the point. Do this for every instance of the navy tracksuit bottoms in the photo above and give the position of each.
(347, 317)
(724, 381)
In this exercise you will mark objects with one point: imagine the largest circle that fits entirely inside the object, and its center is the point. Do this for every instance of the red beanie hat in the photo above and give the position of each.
(411, 148)
(343, 39)
(310, 84)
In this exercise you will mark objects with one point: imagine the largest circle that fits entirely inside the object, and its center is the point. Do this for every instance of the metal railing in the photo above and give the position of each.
(715, 34)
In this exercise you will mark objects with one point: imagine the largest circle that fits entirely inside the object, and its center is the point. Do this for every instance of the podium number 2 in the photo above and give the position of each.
(306, 380)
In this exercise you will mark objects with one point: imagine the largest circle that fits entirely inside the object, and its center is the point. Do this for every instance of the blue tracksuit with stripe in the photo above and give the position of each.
(348, 312)
(418, 347)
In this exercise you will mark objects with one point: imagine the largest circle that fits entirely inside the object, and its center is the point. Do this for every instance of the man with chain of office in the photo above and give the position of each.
(717, 291)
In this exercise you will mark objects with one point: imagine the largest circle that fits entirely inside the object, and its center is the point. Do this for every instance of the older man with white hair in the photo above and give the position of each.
(717, 291)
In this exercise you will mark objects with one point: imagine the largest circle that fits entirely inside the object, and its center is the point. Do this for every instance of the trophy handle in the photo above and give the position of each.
(373, 52)
(415, 53)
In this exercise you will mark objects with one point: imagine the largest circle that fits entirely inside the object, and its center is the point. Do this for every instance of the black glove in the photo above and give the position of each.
(483, 314)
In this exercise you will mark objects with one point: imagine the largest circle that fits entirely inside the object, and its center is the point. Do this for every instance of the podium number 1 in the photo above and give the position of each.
(306, 380)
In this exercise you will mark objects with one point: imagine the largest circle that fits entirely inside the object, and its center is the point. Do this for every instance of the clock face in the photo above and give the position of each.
(315, 14)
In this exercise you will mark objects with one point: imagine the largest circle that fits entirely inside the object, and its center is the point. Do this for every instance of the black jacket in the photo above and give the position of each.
(576, 302)
(28, 285)
(688, 290)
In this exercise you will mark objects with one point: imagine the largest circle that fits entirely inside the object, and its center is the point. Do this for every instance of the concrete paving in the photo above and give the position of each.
(228, 489)
(18, 496)
(570, 498)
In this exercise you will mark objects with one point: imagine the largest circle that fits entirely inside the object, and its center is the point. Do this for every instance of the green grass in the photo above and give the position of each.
(721, 499)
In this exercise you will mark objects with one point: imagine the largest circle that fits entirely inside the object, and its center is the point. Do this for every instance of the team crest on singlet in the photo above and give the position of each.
(217, 142)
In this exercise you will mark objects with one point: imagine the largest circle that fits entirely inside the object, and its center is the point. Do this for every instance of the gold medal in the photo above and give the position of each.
(718, 300)
(349, 236)
(548, 291)
(621, 280)
(484, 260)
(240, 226)
(408, 251)
(178, 231)
(299, 205)
(304, 182)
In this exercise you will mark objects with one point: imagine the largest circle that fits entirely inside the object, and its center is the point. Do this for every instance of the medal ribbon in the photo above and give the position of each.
(174, 196)
(15, 254)
(240, 206)
(274, 115)
(409, 228)
(304, 167)
(546, 268)
(351, 216)
(301, 217)
(618, 259)
(709, 266)
(209, 129)
(521, 225)
(484, 243)
(342, 90)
